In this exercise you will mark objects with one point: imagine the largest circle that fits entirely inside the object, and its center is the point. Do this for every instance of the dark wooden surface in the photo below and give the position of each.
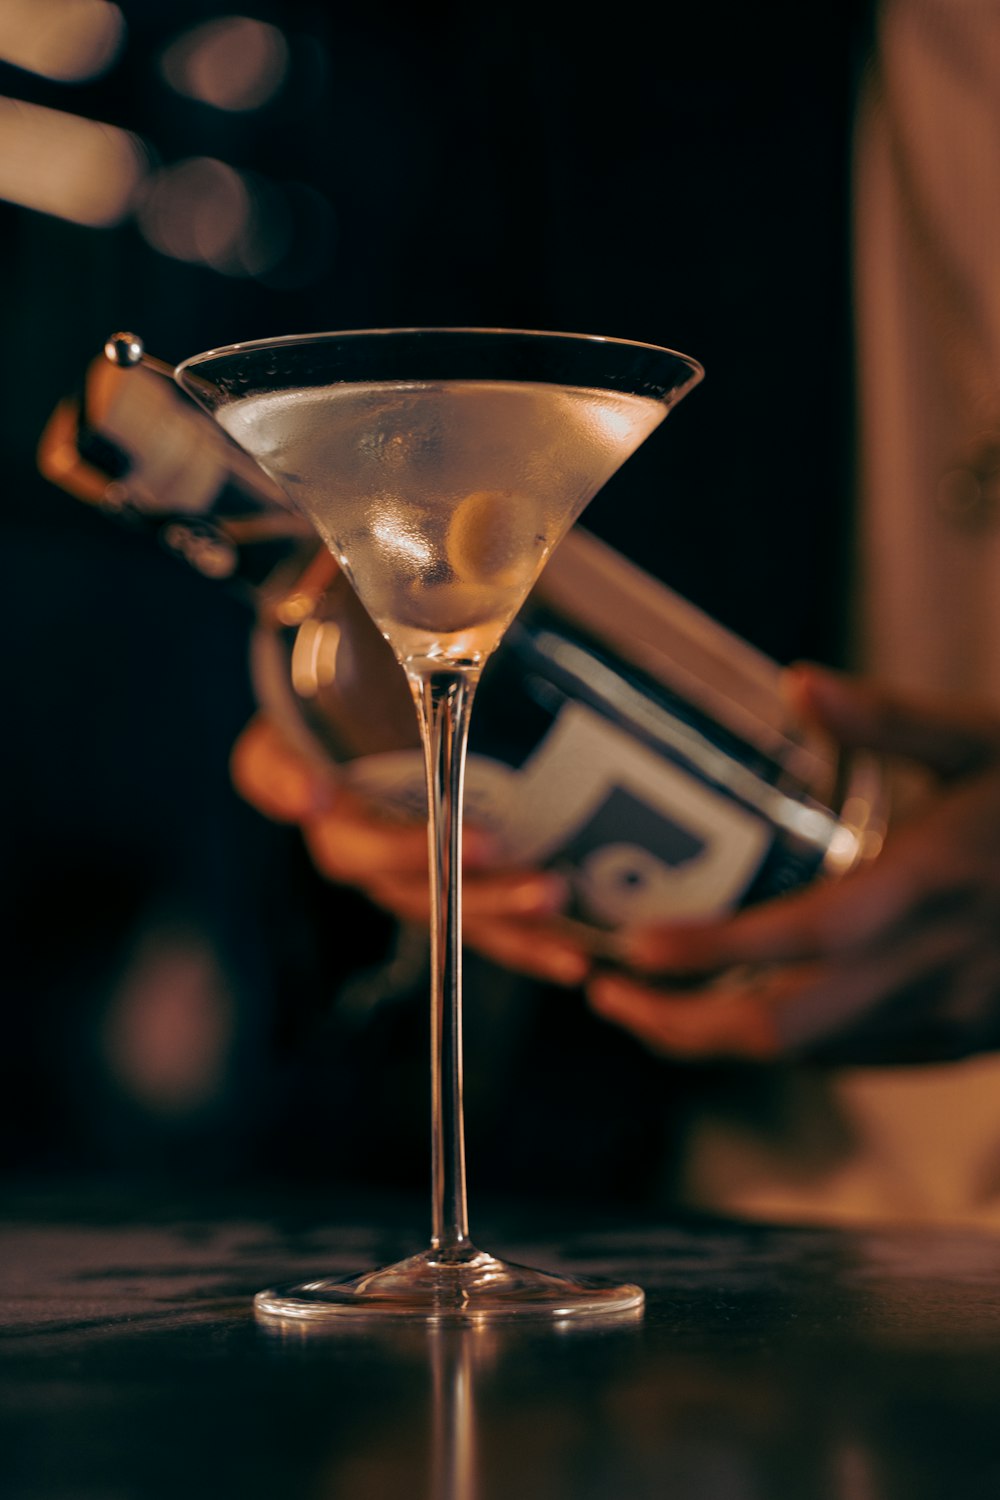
(770, 1362)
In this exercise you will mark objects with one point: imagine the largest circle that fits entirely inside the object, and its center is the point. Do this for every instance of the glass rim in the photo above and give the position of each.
(252, 346)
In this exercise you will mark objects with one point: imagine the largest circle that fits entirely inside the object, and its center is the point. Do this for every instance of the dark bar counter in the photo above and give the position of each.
(770, 1362)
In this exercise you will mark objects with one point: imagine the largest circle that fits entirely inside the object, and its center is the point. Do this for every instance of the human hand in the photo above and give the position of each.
(509, 916)
(898, 962)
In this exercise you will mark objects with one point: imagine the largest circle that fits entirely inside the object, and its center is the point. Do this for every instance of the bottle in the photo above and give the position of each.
(619, 735)
(132, 445)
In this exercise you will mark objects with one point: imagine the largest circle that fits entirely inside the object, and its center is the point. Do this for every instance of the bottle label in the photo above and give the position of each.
(640, 838)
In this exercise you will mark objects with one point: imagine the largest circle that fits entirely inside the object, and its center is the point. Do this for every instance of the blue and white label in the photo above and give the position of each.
(641, 839)
(645, 840)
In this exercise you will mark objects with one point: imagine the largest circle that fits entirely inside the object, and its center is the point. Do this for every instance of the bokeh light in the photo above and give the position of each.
(203, 211)
(66, 40)
(64, 165)
(233, 63)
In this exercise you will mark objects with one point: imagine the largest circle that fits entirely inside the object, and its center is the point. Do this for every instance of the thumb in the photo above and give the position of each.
(953, 739)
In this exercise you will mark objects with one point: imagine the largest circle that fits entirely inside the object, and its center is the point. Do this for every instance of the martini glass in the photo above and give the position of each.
(442, 467)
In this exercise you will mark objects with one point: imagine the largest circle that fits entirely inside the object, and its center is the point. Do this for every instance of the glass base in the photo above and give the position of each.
(465, 1287)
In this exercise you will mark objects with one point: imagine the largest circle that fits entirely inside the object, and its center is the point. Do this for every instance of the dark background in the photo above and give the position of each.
(684, 182)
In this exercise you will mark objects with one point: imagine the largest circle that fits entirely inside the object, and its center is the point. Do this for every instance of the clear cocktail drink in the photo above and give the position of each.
(441, 467)
(442, 501)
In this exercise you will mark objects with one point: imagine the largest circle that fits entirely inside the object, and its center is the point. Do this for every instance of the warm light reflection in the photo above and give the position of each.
(399, 539)
(168, 1028)
(68, 40)
(314, 656)
(65, 165)
(204, 211)
(233, 63)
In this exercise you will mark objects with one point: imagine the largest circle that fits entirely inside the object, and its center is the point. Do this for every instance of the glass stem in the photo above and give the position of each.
(444, 701)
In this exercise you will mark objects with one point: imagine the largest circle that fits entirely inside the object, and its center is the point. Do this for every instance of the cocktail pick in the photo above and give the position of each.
(128, 349)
